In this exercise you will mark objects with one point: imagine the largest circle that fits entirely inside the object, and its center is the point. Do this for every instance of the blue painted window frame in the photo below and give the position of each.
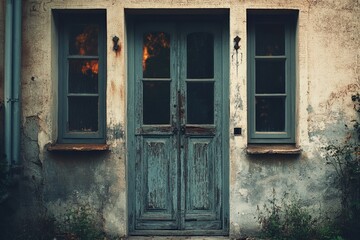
(67, 20)
(289, 21)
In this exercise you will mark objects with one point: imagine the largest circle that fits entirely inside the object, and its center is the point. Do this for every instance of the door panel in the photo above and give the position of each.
(157, 174)
(156, 183)
(177, 131)
(199, 175)
(203, 182)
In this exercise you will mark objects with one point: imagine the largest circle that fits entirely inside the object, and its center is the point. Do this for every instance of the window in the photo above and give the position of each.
(82, 81)
(271, 78)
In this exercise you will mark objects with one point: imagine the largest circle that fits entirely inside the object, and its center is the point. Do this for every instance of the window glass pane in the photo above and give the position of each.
(83, 39)
(200, 102)
(83, 114)
(270, 114)
(200, 55)
(270, 76)
(83, 76)
(270, 39)
(156, 55)
(156, 102)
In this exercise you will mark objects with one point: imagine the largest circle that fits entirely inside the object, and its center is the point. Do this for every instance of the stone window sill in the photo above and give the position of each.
(285, 149)
(77, 147)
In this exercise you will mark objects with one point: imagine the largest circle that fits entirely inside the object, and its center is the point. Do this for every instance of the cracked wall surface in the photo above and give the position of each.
(327, 70)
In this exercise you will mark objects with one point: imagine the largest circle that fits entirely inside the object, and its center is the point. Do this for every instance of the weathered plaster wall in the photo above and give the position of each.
(66, 179)
(327, 74)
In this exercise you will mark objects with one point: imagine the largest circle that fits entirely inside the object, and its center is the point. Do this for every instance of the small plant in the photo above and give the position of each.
(284, 219)
(80, 223)
(327, 230)
(270, 217)
(345, 159)
(299, 224)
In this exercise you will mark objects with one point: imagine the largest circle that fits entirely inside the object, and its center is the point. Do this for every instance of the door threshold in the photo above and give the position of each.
(177, 238)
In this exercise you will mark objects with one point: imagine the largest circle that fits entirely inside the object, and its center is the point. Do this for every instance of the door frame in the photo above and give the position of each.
(142, 15)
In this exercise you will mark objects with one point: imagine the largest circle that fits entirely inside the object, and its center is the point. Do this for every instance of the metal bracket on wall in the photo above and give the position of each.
(115, 40)
(12, 100)
(236, 43)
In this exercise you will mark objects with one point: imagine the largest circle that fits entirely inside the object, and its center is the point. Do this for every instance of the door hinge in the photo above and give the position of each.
(12, 100)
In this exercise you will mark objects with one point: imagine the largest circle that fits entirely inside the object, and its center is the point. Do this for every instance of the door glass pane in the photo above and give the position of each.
(83, 76)
(83, 114)
(270, 76)
(156, 102)
(83, 39)
(270, 39)
(200, 102)
(156, 55)
(270, 114)
(200, 55)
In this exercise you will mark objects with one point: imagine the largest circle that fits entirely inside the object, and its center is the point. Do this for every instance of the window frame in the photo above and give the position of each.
(289, 22)
(68, 20)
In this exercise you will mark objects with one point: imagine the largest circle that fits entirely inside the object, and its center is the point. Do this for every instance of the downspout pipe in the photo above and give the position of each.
(8, 68)
(12, 83)
(16, 108)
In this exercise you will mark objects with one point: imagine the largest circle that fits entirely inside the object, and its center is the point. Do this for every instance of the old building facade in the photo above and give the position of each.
(177, 117)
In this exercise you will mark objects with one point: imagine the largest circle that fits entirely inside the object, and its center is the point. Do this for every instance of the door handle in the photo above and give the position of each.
(183, 129)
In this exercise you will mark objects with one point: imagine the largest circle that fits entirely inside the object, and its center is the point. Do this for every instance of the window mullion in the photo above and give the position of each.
(82, 57)
(270, 57)
(83, 95)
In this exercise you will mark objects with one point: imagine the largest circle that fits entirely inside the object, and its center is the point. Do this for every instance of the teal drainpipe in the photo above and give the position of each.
(16, 83)
(12, 81)
(8, 79)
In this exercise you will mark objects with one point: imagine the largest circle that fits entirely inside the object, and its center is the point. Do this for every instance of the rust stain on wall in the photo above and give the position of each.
(343, 93)
(112, 88)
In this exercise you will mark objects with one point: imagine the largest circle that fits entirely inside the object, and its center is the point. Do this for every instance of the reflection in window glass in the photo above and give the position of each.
(83, 40)
(200, 102)
(83, 114)
(156, 102)
(270, 114)
(270, 39)
(83, 76)
(270, 76)
(156, 55)
(200, 55)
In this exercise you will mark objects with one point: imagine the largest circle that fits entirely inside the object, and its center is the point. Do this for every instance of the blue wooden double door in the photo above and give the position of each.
(178, 142)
